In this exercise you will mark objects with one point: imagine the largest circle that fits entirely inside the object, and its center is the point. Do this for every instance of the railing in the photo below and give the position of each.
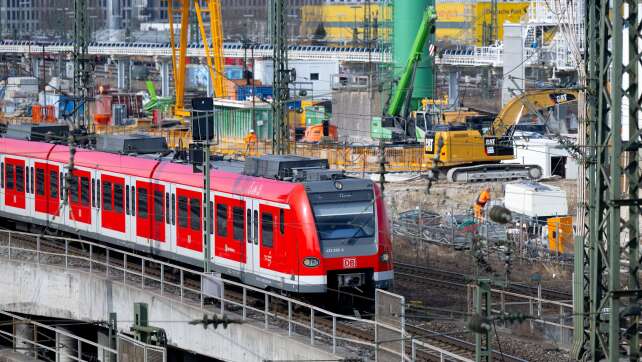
(186, 286)
(542, 312)
(61, 351)
(197, 50)
(441, 354)
(475, 56)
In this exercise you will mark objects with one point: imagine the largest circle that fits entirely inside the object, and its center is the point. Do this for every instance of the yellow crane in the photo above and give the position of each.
(213, 46)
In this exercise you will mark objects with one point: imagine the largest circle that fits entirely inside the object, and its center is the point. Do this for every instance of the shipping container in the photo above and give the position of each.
(245, 92)
(234, 119)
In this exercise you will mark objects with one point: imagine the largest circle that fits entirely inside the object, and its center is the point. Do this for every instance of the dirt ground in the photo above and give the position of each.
(447, 197)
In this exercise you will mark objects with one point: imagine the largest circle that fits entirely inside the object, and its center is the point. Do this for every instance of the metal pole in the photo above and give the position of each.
(208, 208)
(483, 310)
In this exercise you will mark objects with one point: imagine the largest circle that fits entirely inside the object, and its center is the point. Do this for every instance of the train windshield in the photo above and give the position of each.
(347, 221)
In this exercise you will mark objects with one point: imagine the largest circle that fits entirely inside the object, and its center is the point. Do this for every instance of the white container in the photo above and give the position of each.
(535, 199)
(549, 154)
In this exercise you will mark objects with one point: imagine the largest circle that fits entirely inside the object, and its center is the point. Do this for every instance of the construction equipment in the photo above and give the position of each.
(396, 125)
(213, 54)
(156, 102)
(471, 142)
(320, 133)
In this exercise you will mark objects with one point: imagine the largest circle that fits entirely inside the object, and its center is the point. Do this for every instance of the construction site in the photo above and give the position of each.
(320, 180)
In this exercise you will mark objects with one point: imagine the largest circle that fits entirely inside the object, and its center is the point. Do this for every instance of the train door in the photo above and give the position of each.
(40, 195)
(80, 212)
(112, 215)
(142, 204)
(189, 236)
(230, 234)
(157, 219)
(2, 184)
(52, 187)
(252, 250)
(29, 188)
(14, 181)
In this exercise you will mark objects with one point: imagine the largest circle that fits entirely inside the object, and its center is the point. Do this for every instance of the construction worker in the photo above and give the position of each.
(482, 199)
(250, 143)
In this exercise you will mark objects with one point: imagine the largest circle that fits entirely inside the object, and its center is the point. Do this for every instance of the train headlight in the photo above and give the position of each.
(311, 262)
(384, 258)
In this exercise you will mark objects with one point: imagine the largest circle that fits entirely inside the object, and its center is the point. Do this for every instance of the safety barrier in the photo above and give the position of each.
(40, 345)
(189, 288)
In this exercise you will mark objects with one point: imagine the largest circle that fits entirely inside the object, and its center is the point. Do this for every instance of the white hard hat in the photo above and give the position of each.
(251, 131)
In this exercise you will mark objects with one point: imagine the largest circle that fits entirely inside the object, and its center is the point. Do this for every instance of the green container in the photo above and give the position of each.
(315, 115)
(236, 123)
(407, 15)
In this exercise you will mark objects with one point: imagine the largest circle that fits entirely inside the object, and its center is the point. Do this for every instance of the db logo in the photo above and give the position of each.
(349, 263)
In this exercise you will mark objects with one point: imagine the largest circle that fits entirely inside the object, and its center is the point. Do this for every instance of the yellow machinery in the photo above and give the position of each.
(213, 54)
(560, 234)
(472, 152)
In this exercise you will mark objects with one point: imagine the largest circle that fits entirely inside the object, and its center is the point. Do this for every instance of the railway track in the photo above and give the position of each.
(455, 280)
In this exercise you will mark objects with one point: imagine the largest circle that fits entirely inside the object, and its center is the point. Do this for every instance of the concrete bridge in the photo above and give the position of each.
(84, 281)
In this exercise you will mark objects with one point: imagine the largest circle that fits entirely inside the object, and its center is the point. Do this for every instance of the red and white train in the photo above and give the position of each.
(310, 234)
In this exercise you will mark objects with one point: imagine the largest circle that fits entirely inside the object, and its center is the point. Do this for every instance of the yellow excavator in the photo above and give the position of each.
(470, 150)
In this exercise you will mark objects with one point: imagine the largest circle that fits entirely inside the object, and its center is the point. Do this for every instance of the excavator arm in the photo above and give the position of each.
(529, 102)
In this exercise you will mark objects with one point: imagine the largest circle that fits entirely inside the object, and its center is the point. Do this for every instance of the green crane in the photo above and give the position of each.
(399, 104)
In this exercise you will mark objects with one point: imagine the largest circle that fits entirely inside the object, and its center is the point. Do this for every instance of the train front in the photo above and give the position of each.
(353, 233)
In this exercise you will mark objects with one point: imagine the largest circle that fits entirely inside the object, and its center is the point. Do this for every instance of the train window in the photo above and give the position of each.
(267, 229)
(2, 174)
(282, 221)
(32, 180)
(127, 199)
(40, 181)
(195, 214)
(107, 197)
(158, 206)
(211, 218)
(118, 198)
(93, 192)
(182, 211)
(28, 184)
(98, 193)
(84, 190)
(237, 223)
(256, 227)
(20, 179)
(53, 184)
(142, 202)
(221, 220)
(73, 186)
(167, 208)
(173, 209)
(133, 200)
(10, 177)
(248, 227)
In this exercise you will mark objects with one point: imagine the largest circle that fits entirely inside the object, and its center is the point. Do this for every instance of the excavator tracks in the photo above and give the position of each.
(494, 172)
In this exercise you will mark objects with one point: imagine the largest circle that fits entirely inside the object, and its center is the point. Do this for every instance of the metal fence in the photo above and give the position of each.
(458, 229)
(131, 350)
(550, 318)
(44, 342)
(335, 332)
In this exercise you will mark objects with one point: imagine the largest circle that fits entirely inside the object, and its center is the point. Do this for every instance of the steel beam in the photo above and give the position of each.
(614, 177)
